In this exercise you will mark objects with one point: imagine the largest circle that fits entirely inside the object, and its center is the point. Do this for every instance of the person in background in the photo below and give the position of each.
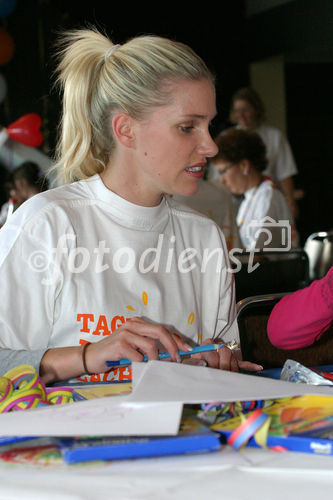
(215, 201)
(6, 203)
(10, 205)
(25, 181)
(4, 177)
(302, 317)
(117, 281)
(248, 112)
(241, 161)
(28, 179)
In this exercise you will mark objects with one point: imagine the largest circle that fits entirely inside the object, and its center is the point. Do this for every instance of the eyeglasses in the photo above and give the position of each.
(223, 171)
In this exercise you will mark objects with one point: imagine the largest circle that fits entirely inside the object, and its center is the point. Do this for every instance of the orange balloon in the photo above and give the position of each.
(6, 47)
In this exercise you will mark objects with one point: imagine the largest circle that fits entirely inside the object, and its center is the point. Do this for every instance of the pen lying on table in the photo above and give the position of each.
(165, 355)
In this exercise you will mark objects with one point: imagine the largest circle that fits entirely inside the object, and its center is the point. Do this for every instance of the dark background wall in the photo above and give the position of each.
(302, 31)
(229, 37)
(34, 24)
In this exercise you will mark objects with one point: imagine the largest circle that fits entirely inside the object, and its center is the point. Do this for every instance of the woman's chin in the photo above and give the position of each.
(190, 190)
(236, 192)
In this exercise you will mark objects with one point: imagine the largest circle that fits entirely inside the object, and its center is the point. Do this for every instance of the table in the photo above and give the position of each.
(249, 474)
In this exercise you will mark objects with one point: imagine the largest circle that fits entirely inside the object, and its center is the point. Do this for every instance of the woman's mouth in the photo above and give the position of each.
(195, 171)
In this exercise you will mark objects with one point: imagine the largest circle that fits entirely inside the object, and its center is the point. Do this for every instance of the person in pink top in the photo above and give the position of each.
(301, 318)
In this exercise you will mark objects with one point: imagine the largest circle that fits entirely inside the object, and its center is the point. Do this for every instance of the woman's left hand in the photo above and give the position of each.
(226, 359)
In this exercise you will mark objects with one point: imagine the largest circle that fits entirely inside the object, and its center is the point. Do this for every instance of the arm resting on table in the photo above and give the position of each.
(51, 364)
(10, 359)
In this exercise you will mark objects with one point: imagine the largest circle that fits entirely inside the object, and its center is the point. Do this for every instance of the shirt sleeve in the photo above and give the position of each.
(10, 359)
(301, 318)
(29, 287)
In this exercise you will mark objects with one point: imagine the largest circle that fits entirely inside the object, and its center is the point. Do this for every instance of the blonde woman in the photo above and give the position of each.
(124, 268)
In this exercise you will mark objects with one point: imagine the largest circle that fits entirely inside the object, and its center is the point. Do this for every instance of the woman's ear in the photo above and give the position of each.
(245, 165)
(123, 130)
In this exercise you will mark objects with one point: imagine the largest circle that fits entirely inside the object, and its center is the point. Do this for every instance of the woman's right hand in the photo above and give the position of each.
(133, 340)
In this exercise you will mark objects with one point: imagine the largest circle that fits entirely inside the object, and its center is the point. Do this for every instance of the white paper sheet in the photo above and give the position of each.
(162, 381)
(105, 416)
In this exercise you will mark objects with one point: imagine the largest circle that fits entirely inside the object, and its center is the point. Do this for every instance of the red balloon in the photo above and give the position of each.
(27, 130)
(6, 47)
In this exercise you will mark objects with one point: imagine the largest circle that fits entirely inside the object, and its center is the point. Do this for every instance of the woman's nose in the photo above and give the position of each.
(209, 147)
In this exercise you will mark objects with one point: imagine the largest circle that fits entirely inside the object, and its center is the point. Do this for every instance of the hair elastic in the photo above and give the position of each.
(110, 51)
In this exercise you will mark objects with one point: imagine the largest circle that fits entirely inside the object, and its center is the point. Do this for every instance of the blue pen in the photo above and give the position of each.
(165, 355)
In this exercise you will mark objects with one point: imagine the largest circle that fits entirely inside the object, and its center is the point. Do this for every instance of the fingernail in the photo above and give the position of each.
(188, 347)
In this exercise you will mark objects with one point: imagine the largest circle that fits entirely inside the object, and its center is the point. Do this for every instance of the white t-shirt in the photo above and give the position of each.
(265, 209)
(4, 212)
(78, 261)
(215, 201)
(281, 163)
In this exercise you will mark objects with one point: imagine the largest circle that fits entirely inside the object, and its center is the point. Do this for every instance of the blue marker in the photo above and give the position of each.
(165, 355)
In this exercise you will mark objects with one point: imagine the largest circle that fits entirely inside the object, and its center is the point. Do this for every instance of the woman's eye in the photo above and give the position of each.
(187, 128)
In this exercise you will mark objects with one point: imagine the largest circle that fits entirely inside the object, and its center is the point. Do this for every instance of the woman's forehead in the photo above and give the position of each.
(242, 103)
(193, 98)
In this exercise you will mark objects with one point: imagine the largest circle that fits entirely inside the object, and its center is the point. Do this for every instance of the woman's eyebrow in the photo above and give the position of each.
(198, 116)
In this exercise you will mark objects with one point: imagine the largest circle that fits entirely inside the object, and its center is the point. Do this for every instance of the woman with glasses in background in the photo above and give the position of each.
(241, 161)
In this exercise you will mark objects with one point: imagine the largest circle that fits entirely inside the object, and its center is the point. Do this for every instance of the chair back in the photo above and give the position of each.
(252, 317)
(269, 271)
